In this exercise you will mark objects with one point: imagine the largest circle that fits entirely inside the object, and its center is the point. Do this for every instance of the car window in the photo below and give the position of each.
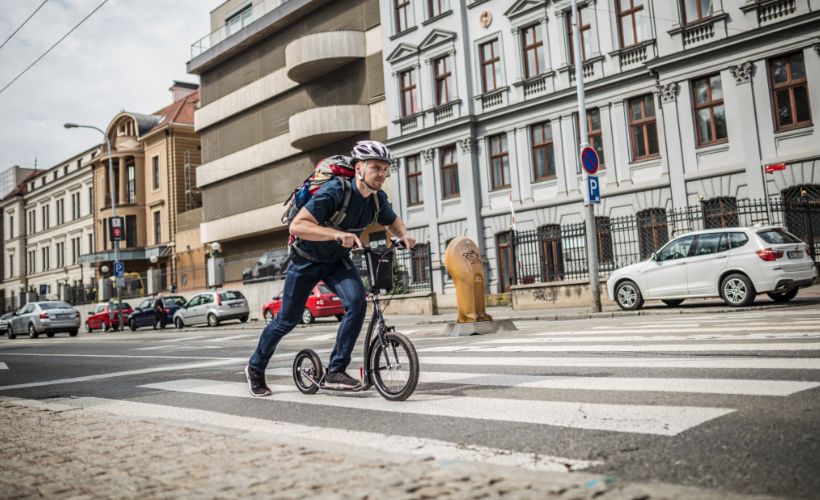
(146, 304)
(174, 301)
(676, 249)
(195, 301)
(26, 309)
(54, 305)
(207, 299)
(711, 243)
(737, 240)
(778, 236)
(7, 316)
(324, 290)
(231, 295)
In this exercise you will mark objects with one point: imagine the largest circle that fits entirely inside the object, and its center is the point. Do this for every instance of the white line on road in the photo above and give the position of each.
(692, 385)
(748, 363)
(539, 339)
(814, 328)
(351, 440)
(641, 419)
(223, 339)
(4, 366)
(181, 339)
(793, 346)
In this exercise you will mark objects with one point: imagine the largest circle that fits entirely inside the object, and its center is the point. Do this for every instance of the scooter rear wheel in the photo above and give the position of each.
(307, 366)
(397, 381)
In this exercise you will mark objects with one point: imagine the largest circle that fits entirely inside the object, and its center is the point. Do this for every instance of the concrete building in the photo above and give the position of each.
(284, 84)
(155, 157)
(11, 178)
(47, 225)
(686, 102)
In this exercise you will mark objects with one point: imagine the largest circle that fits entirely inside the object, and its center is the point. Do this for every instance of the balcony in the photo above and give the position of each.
(318, 54)
(226, 30)
(319, 126)
(769, 11)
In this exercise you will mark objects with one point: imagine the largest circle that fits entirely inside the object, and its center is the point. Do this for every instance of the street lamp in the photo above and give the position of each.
(113, 202)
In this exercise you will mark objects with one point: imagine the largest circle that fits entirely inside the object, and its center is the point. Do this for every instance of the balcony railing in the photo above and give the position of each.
(226, 30)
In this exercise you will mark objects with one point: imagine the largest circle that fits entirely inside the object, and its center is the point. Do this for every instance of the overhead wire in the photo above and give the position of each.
(53, 46)
(24, 23)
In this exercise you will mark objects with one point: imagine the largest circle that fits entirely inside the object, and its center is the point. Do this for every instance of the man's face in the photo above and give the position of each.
(374, 171)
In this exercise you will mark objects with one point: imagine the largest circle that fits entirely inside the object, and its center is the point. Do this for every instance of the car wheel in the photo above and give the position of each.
(243, 319)
(783, 296)
(88, 327)
(179, 323)
(74, 332)
(32, 333)
(673, 302)
(628, 296)
(307, 317)
(213, 320)
(340, 317)
(737, 290)
(268, 316)
(50, 334)
(132, 324)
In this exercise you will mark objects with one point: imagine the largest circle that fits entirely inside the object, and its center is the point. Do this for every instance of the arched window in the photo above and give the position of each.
(653, 232)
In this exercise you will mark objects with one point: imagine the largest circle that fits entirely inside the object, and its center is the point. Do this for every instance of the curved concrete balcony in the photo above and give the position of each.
(314, 55)
(319, 126)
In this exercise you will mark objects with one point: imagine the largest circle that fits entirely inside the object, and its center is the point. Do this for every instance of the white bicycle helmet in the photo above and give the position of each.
(371, 150)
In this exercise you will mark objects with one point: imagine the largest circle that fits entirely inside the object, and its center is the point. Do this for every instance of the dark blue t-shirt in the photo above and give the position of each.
(361, 212)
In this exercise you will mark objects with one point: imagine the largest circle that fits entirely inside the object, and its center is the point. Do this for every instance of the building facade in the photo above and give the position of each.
(686, 104)
(284, 84)
(47, 225)
(154, 160)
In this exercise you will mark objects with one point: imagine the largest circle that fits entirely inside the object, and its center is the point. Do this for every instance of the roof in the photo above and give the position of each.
(180, 111)
(22, 188)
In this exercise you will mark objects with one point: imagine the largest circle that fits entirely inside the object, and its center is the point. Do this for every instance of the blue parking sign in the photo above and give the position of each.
(119, 269)
(594, 189)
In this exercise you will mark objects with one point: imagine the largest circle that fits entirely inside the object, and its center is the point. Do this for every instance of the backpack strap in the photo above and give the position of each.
(340, 214)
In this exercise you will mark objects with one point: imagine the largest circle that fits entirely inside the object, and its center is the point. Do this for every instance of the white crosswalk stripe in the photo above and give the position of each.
(792, 346)
(734, 363)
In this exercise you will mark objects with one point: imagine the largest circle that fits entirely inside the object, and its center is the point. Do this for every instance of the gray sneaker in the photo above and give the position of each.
(340, 380)
(256, 382)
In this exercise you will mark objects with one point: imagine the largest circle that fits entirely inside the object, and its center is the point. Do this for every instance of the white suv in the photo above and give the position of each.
(733, 263)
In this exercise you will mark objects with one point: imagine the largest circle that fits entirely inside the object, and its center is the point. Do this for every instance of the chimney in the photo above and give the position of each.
(181, 89)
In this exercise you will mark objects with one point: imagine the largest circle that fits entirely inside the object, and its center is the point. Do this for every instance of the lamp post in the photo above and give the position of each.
(113, 202)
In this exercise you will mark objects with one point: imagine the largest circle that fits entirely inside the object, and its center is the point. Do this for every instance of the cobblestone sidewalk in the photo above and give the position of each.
(64, 452)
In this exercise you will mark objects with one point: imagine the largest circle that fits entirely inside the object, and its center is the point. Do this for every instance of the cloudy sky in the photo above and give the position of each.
(125, 56)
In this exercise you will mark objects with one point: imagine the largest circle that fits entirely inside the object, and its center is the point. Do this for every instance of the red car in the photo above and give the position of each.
(99, 318)
(321, 303)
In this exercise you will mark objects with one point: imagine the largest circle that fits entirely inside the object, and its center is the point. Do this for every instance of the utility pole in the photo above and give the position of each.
(589, 213)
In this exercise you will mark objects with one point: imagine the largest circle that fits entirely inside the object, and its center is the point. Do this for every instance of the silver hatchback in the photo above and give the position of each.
(49, 317)
(212, 308)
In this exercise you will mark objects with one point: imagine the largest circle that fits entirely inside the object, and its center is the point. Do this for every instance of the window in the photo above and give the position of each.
(533, 51)
(503, 245)
(32, 226)
(155, 172)
(444, 80)
(449, 172)
(79, 163)
(632, 21)
(586, 34)
(105, 234)
(420, 263)
(157, 228)
(711, 243)
(790, 95)
(402, 15)
(46, 213)
(409, 95)
(604, 233)
(237, 21)
(30, 263)
(45, 251)
(490, 66)
(90, 243)
(11, 226)
(652, 230)
(643, 129)
(694, 10)
(801, 210)
(737, 240)
(131, 184)
(719, 212)
(678, 249)
(60, 254)
(414, 185)
(11, 266)
(130, 231)
(710, 115)
(60, 211)
(595, 136)
(65, 170)
(90, 200)
(436, 7)
(75, 206)
(75, 250)
(499, 162)
(552, 255)
(543, 154)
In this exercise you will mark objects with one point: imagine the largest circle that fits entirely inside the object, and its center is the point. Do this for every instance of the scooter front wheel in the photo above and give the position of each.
(394, 367)
(307, 371)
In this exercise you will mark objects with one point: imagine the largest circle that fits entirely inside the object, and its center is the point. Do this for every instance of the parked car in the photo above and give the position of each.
(321, 303)
(143, 315)
(100, 319)
(269, 265)
(213, 308)
(4, 322)
(47, 317)
(733, 263)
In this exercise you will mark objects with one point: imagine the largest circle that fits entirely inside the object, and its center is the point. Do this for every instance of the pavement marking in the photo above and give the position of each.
(318, 338)
(637, 419)
(541, 339)
(223, 339)
(184, 366)
(813, 328)
(689, 385)
(257, 428)
(180, 339)
(748, 363)
(4, 366)
(175, 347)
(793, 346)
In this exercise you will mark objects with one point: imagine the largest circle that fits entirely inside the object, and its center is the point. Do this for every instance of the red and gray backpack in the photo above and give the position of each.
(338, 166)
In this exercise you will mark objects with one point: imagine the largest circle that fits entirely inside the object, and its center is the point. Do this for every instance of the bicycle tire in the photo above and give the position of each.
(305, 385)
(378, 368)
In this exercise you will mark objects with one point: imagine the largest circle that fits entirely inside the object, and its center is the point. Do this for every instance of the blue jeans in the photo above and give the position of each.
(344, 280)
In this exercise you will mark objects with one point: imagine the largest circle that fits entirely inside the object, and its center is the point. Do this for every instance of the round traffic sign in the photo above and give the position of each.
(589, 160)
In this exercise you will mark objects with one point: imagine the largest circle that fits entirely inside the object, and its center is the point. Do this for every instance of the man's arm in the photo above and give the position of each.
(306, 227)
(398, 229)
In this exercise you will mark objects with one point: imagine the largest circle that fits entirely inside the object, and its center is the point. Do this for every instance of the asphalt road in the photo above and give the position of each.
(723, 401)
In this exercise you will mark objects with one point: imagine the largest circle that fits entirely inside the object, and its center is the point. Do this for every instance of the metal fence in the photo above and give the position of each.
(555, 252)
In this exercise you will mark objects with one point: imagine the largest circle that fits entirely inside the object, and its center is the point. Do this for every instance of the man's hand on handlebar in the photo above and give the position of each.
(407, 241)
(348, 240)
